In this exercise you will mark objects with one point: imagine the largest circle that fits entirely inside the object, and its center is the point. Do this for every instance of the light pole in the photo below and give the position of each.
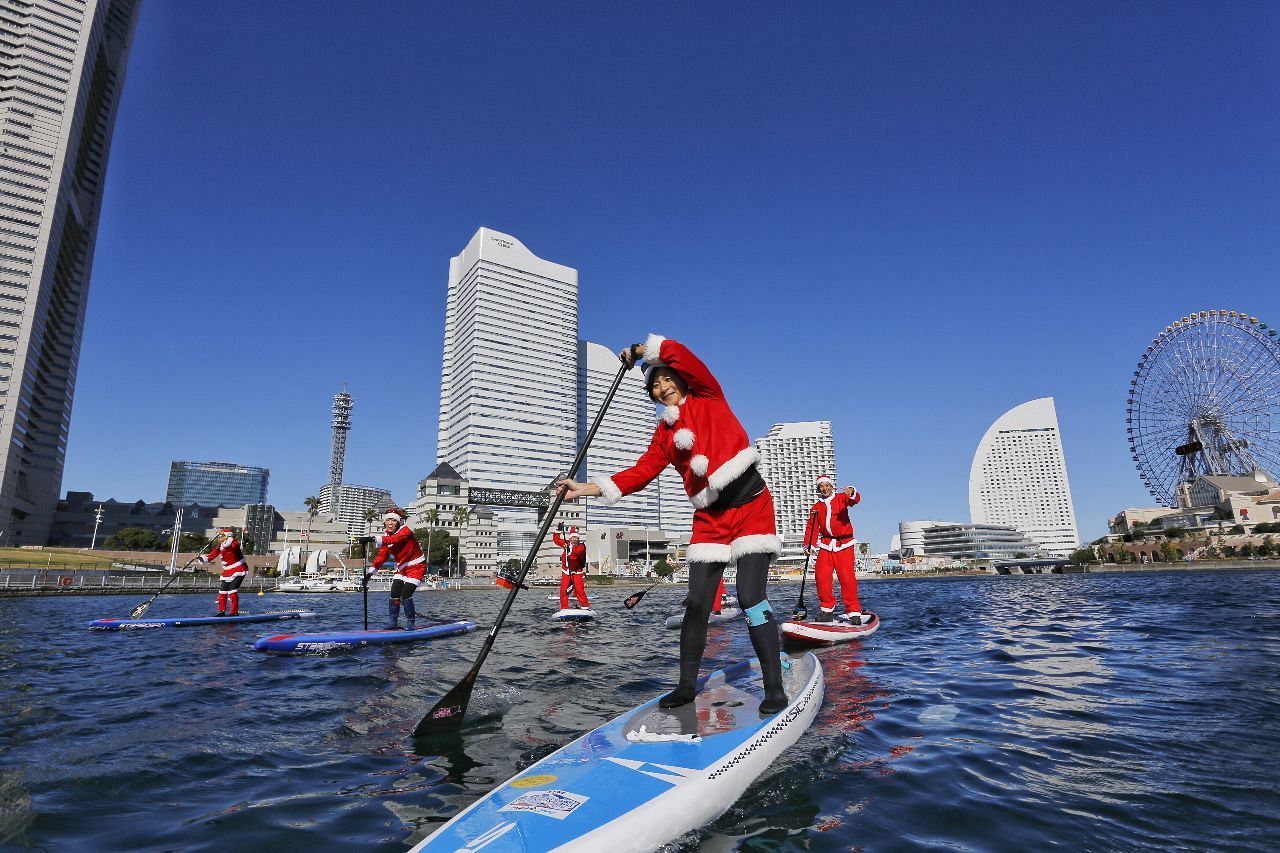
(97, 519)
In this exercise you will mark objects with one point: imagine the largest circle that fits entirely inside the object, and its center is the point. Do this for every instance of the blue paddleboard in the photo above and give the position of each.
(190, 621)
(341, 641)
(645, 778)
(573, 614)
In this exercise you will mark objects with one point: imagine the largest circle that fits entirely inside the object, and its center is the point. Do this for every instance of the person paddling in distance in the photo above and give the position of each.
(573, 567)
(831, 532)
(226, 547)
(699, 435)
(399, 545)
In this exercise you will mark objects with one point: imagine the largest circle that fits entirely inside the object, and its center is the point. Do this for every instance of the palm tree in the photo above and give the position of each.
(433, 518)
(460, 518)
(313, 506)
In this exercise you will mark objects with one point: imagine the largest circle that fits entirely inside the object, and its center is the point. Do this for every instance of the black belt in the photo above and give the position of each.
(743, 490)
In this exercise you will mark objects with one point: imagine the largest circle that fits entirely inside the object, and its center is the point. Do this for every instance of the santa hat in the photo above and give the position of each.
(227, 531)
(823, 478)
(572, 533)
(393, 514)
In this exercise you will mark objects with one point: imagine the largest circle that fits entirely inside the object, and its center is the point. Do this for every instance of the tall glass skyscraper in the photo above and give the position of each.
(216, 484)
(62, 65)
(792, 457)
(509, 376)
(1019, 478)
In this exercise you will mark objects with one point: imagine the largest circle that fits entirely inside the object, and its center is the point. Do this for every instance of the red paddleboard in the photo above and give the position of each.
(828, 633)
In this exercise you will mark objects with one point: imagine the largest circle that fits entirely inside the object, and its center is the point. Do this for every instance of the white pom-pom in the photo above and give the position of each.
(684, 438)
(698, 465)
(670, 415)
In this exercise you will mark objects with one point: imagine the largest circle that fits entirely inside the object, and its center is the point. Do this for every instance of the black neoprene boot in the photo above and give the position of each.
(764, 639)
(686, 689)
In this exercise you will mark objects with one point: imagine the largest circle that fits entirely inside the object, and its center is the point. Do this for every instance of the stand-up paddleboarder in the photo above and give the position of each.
(831, 532)
(398, 545)
(573, 567)
(226, 547)
(700, 436)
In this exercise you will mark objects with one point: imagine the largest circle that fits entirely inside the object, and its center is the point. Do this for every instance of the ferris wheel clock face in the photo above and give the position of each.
(1205, 400)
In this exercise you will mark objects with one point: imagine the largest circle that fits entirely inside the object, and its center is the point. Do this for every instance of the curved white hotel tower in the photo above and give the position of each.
(509, 377)
(623, 436)
(1019, 478)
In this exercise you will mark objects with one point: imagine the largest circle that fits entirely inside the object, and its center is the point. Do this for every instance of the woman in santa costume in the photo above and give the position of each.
(699, 435)
(398, 545)
(226, 547)
(573, 567)
(831, 532)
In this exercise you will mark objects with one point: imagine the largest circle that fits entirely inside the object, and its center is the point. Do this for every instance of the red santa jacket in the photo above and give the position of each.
(701, 437)
(829, 522)
(573, 556)
(228, 550)
(400, 547)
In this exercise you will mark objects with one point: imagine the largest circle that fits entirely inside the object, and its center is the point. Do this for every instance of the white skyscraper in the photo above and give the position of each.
(623, 435)
(509, 379)
(792, 457)
(1019, 478)
(63, 68)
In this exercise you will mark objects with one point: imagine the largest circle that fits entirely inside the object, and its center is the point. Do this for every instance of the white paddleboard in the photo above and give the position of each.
(828, 633)
(726, 615)
(573, 614)
(645, 778)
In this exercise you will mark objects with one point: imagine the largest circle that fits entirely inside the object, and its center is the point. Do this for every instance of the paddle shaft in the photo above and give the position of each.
(449, 711)
(808, 552)
(142, 608)
(365, 589)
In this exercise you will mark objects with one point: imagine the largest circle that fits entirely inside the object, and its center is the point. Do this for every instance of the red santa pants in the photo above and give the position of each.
(842, 563)
(579, 589)
(229, 591)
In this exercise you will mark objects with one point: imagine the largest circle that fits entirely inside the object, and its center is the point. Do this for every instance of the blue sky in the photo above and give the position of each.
(903, 218)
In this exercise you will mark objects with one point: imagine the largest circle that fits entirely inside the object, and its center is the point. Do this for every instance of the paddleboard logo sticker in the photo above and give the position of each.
(534, 781)
(556, 804)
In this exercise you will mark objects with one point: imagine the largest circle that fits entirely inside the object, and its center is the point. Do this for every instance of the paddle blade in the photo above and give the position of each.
(799, 614)
(446, 715)
(137, 612)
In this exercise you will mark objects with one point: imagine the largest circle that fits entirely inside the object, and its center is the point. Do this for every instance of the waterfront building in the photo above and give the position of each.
(509, 373)
(446, 501)
(960, 541)
(78, 524)
(216, 484)
(792, 457)
(628, 551)
(1207, 502)
(1019, 478)
(63, 74)
(350, 503)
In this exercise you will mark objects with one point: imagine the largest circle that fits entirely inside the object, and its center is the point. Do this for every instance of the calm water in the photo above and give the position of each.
(1083, 712)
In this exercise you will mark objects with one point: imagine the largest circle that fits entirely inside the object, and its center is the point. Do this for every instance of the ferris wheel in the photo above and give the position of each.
(1205, 400)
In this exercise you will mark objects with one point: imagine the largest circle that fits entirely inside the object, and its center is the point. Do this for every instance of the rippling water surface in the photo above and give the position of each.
(1083, 712)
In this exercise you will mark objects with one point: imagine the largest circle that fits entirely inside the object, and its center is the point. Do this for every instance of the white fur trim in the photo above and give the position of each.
(684, 438)
(734, 468)
(757, 543)
(653, 348)
(704, 498)
(377, 539)
(825, 479)
(670, 414)
(707, 552)
(609, 491)
(392, 515)
(698, 465)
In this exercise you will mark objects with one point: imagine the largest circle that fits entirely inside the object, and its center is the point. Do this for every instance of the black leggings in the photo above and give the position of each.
(704, 579)
(402, 589)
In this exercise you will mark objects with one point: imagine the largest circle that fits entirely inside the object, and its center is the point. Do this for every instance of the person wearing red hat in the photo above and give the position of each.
(226, 547)
(831, 532)
(700, 436)
(400, 546)
(573, 566)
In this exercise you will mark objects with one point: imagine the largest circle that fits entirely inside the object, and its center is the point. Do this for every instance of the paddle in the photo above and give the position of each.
(447, 714)
(137, 612)
(364, 587)
(634, 599)
(801, 611)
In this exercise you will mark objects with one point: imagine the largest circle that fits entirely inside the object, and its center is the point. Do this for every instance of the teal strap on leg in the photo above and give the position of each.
(760, 613)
